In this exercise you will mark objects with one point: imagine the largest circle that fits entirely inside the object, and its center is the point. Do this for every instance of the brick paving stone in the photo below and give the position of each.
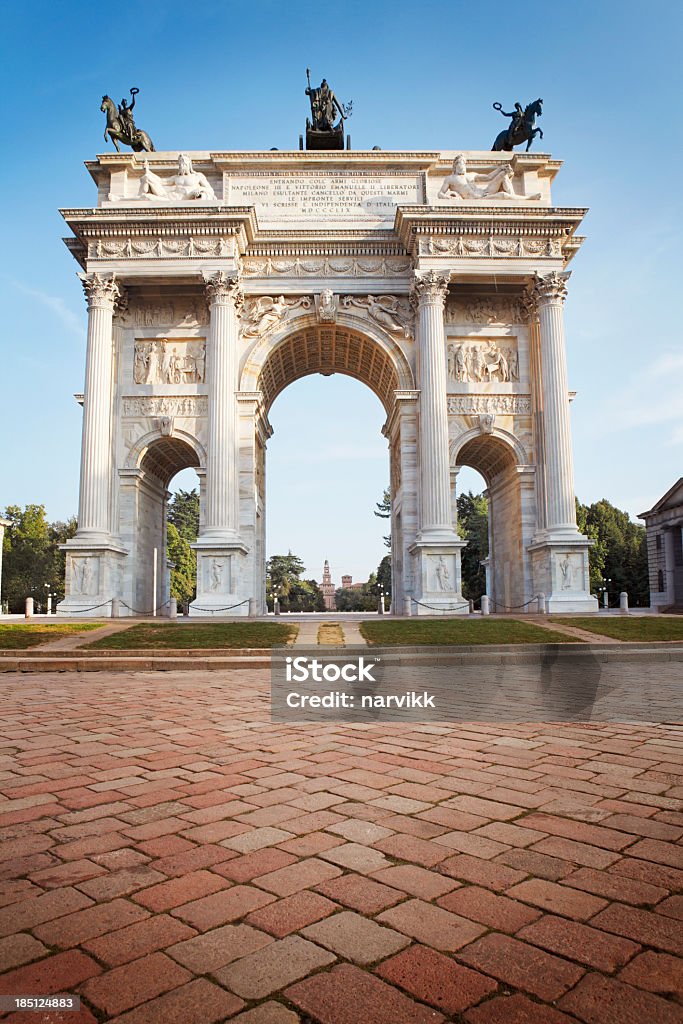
(472, 843)
(134, 983)
(311, 844)
(121, 883)
(138, 940)
(257, 839)
(292, 913)
(363, 859)
(481, 872)
(419, 851)
(71, 873)
(165, 846)
(580, 942)
(491, 909)
(117, 860)
(243, 869)
(60, 972)
(431, 925)
(294, 877)
(561, 899)
(222, 907)
(267, 1013)
(416, 881)
(348, 995)
(411, 826)
(16, 950)
(644, 827)
(534, 863)
(599, 1000)
(217, 948)
(672, 907)
(567, 828)
(662, 853)
(363, 832)
(615, 887)
(453, 820)
(356, 938)
(191, 860)
(436, 979)
(515, 1009)
(642, 926)
(271, 968)
(361, 893)
(577, 853)
(198, 1002)
(653, 874)
(522, 966)
(86, 924)
(31, 912)
(174, 892)
(657, 972)
(489, 809)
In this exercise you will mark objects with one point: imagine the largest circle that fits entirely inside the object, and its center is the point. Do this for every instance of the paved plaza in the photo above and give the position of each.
(171, 856)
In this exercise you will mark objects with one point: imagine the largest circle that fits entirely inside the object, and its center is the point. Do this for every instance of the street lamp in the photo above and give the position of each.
(49, 600)
(380, 610)
(605, 592)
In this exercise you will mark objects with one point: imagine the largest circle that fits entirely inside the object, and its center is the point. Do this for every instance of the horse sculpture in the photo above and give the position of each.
(522, 127)
(121, 127)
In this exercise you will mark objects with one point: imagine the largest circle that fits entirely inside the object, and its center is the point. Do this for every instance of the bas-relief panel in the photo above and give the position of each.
(483, 360)
(177, 312)
(85, 576)
(487, 310)
(174, 361)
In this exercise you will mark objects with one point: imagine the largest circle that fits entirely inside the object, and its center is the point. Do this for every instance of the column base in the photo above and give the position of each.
(560, 571)
(94, 577)
(221, 580)
(437, 586)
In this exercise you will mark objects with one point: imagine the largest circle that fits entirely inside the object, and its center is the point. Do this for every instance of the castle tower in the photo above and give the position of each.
(327, 587)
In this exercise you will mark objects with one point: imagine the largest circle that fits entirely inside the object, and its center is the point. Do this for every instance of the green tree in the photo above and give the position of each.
(184, 570)
(619, 551)
(473, 515)
(283, 575)
(383, 511)
(384, 576)
(29, 557)
(183, 512)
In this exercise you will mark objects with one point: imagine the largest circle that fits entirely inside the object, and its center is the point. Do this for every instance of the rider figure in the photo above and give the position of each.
(517, 116)
(126, 116)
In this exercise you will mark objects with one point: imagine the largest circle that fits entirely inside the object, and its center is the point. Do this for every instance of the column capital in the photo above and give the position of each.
(548, 288)
(223, 289)
(430, 287)
(101, 290)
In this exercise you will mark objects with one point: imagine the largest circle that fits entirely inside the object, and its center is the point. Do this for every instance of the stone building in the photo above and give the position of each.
(214, 281)
(327, 588)
(664, 524)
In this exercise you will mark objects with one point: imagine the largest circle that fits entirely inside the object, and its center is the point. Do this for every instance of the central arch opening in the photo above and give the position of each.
(329, 465)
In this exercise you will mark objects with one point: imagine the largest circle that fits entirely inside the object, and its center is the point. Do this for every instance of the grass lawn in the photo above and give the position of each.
(643, 627)
(18, 636)
(214, 635)
(412, 632)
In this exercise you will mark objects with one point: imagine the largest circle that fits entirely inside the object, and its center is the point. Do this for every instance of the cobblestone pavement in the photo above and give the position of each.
(171, 856)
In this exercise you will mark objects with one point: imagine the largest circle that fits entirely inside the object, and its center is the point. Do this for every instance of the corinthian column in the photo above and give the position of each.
(222, 484)
(429, 296)
(94, 500)
(549, 293)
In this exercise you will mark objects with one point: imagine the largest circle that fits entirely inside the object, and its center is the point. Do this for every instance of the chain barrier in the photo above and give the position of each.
(225, 609)
(138, 611)
(103, 604)
(440, 607)
(513, 607)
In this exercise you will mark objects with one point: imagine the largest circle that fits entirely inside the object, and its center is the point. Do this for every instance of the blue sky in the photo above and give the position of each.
(420, 76)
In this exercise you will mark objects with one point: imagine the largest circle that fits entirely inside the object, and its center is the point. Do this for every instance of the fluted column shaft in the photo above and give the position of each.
(549, 293)
(94, 498)
(429, 295)
(222, 484)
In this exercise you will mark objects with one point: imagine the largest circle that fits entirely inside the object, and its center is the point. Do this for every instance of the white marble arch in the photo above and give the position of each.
(148, 469)
(391, 378)
(503, 461)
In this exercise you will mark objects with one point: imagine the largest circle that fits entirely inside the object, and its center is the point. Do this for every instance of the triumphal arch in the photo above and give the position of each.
(215, 279)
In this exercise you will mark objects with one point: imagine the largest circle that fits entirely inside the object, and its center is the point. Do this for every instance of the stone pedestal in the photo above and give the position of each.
(93, 578)
(220, 580)
(437, 584)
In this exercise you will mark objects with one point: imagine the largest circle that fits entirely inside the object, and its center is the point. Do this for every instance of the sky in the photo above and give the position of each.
(232, 76)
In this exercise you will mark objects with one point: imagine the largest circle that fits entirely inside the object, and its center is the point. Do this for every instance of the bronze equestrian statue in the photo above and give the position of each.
(521, 129)
(121, 126)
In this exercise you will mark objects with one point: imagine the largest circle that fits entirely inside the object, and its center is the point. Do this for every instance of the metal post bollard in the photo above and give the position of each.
(115, 608)
(173, 608)
(471, 607)
(276, 607)
(28, 609)
(623, 602)
(540, 600)
(407, 606)
(485, 605)
(253, 610)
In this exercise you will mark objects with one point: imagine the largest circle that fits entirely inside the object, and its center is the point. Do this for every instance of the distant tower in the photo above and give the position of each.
(327, 587)
(346, 582)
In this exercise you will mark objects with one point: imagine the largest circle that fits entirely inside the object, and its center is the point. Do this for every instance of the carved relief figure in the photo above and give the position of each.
(326, 305)
(158, 362)
(385, 310)
(82, 576)
(216, 573)
(482, 362)
(497, 184)
(263, 314)
(566, 570)
(494, 310)
(185, 186)
(443, 577)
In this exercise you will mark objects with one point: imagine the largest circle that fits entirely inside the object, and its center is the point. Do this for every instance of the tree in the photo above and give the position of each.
(473, 513)
(619, 551)
(384, 576)
(283, 576)
(182, 518)
(30, 557)
(383, 511)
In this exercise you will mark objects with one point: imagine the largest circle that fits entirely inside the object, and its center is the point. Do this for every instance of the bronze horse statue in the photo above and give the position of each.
(522, 127)
(121, 127)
